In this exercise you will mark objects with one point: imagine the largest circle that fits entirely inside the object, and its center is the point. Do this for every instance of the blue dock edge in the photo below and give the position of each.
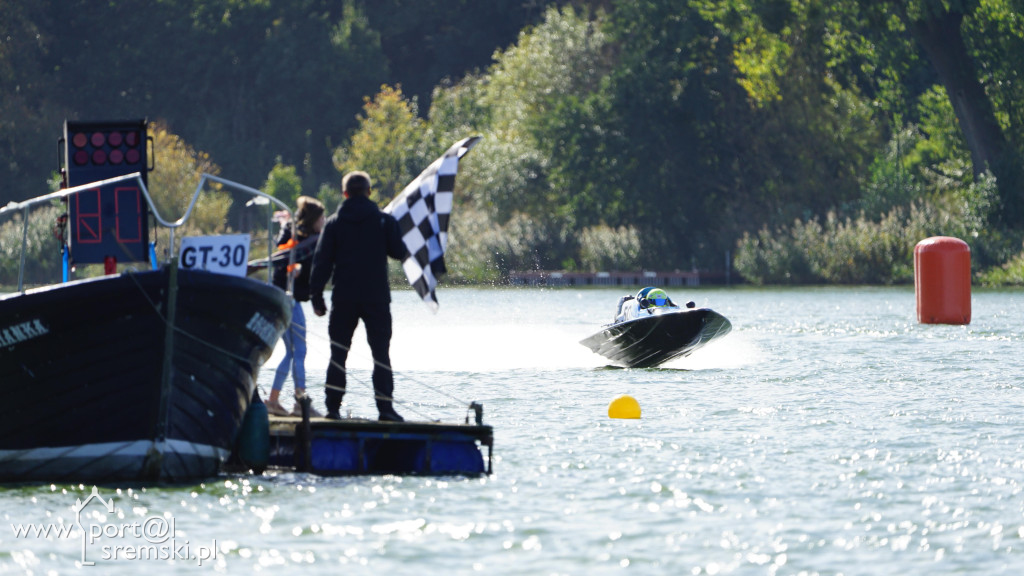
(357, 446)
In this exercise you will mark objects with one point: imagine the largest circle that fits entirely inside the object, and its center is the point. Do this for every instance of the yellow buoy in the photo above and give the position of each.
(624, 407)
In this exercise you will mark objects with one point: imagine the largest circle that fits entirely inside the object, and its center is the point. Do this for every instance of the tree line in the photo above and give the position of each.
(808, 141)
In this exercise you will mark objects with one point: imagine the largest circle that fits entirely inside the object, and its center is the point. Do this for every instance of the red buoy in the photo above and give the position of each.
(942, 280)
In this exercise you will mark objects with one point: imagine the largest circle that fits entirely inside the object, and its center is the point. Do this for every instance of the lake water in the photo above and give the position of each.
(829, 433)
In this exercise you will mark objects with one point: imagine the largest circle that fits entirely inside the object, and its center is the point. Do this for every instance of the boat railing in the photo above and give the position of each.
(26, 205)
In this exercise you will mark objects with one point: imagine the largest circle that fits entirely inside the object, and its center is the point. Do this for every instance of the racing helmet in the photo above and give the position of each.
(652, 297)
(642, 294)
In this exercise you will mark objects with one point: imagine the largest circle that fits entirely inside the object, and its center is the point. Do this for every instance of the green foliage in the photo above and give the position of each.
(861, 251)
(579, 140)
(29, 118)
(995, 30)
(969, 212)
(775, 258)
(522, 243)
(890, 183)
(838, 251)
(516, 184)
(173, 184)
(605, 248)
(623, 135)
(283, 183)
(1009, 274)
(509, 178)
(456, 111)
(670, 145)
(524, 95)
(330, 195)
(866, 251)
(560, 56)
(938, 122)
(761, 59)
(174, 181)
(470, 259)
(42, 250)
(427, 42)
(478, 251)
(247, 81)
(386, 144)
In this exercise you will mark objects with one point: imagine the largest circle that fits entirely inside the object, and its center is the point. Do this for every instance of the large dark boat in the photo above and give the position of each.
(133, 376)
(138, 375)
(652, 340)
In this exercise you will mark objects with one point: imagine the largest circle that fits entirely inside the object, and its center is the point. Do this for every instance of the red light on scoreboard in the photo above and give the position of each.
(99, 148)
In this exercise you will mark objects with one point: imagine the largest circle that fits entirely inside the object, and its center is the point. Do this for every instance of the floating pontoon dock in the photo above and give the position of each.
(356, 446)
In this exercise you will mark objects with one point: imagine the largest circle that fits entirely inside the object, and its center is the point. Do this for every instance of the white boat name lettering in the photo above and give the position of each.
(16, 333)
(263, 328)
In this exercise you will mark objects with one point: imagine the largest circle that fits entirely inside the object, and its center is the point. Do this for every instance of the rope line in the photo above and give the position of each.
(348, 374)
(180, 330)
(369, 385)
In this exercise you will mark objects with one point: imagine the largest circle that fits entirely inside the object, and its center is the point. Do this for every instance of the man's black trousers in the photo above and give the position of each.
(377, 323)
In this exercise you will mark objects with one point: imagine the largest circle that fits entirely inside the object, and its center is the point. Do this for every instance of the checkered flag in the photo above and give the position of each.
(422, 211)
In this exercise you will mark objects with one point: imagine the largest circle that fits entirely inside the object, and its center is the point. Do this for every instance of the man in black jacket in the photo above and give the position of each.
(354, 248)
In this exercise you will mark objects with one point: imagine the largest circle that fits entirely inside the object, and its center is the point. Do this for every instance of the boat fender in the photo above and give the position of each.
(253, 444)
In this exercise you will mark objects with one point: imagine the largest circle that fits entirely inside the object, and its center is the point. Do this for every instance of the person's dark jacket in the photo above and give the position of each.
(304, 256)
(353, 249)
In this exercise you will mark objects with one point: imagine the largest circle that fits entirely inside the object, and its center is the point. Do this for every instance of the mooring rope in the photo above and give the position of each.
(180, 330)
(405, 376)
(348, 374)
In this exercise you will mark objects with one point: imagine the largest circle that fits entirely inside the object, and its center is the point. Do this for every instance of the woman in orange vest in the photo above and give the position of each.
(309, 221)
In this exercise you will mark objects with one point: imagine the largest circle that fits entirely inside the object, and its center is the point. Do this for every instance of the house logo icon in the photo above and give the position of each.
(80, 506)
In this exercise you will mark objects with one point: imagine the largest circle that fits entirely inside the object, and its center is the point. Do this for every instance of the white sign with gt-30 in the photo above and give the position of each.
(225, 254)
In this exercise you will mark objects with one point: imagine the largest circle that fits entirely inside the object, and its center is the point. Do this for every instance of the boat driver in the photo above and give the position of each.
(647, 301)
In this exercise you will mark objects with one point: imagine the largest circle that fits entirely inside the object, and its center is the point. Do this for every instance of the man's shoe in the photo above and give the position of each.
(333, 415)
(275, 408)
(390, 416)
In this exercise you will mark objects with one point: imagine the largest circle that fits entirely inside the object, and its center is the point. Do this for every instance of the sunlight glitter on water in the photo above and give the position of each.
(829, 433)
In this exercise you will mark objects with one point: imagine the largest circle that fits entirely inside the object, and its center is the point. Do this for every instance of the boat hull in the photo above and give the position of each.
(99, 388)
(653, 340)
